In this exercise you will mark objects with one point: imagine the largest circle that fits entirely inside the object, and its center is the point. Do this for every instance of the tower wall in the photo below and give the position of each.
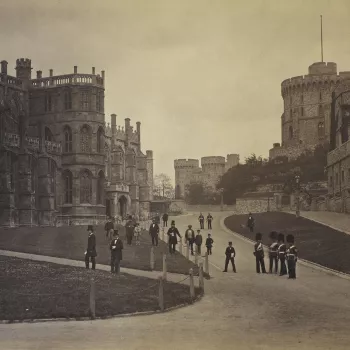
(184, 170)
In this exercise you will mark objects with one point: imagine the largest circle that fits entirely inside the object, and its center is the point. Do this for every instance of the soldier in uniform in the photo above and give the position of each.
(292, 257)
(209, 244)
(282, 254)
(190, 237)
(250, 222)
(173, 232)
(91, 249)
(201, 221)
(199, 241)
(259, 254)
(273, 252)
(116, 247)
(230, 256)
(209, 221)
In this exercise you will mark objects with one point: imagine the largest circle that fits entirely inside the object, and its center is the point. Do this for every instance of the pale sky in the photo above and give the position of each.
(203, 77)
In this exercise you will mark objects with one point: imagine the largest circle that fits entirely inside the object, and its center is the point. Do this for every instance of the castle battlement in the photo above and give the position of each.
(24, 63)
(213, 160)
(186, 163)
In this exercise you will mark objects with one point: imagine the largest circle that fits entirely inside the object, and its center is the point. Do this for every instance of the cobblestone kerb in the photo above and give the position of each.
(303, 262)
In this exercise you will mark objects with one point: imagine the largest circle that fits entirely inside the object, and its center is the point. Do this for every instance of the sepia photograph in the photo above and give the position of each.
(174, 174)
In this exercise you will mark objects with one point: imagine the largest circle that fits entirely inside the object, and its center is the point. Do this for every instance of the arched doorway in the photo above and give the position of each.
(122, 206)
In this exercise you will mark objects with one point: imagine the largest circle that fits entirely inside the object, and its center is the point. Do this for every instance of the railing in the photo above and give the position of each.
(53, 147)
(82, 79)
(12, 140)
(7, 79)
(33, 142)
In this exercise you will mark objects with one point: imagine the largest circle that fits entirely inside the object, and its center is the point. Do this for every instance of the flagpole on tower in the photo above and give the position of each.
(321, 40)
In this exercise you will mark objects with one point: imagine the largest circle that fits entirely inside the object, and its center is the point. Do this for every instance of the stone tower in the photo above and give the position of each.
(184, 170)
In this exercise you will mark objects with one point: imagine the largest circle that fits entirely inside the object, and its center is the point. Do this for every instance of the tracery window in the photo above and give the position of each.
(85, 100)
(85, 139)
(67, 139)
(85, 188)
(68, 100)
(100, 187)
(100, 140)
(48, 103)
(68, 187)
(48, 134)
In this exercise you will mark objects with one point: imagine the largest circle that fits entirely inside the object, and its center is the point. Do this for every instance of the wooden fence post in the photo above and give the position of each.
(187, 250)
(92, 298)
(163, 234)
(164, 267)
(152, 258)
(192, 293)
(201, 278)
(161, 293)
(206, 263)
(180, 245)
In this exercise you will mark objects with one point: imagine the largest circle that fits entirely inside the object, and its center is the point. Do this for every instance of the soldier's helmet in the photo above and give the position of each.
(90, 228)
(173, 223)
(273, 235)
(290, 239)
(281, 237)
(258, 236)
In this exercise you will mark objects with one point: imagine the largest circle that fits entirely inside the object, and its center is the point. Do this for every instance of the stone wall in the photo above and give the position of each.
(255, 205)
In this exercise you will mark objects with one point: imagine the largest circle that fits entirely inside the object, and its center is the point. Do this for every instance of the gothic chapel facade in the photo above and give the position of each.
(59, 162)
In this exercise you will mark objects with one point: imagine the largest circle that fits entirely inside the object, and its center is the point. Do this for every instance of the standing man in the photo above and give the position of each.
(209, 244)
(292, 257)
(282, 250)
(259, 254)
(154, 232)
(209, 220)
(189, 237)
(129, 230)
(116, 247)
(250, 222)
(173, 232)
(165, 220)
(91, 249)
(199, 241)
(273, 252)
(109, 227)
(201, 221)
(230, 256)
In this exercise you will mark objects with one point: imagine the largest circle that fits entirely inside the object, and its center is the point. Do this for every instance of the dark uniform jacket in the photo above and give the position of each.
(209, 218)
(273, 250)
(199, 240)
(165, 217)
(258, 250)
(154, 229)
(209, 242)
(189, 235)
(129, 228)
(201, 218)
(109, 226)
(173, 232)
(282, 249)
(116, 248)
(292, 253)
(229, 251)
(91, 247)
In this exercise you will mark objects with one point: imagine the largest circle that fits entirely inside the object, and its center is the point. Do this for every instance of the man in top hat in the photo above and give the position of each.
(190, 237)
(209, 220)
(259, 254)
(116, 247)
(292, 257)
(129, 229)
(273, 252)
(173, 232)
(282, 249)
(230, 256)
(199, 241)
(91, 249)
(250, 222)
(201, 221)
(154, 232)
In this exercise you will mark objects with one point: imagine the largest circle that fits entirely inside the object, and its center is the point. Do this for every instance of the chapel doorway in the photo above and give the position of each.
(122, 204)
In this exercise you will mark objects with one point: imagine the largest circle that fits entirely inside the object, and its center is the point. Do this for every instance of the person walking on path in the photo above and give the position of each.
(199, 241)
(230, 256)
(109, 227)
(173, 232)
(259, 254)
(292, 257)
(154, 232)
(190, 237)
(137, 233)
(201, 221)
(91, 253)
(129, 230)
(209, 244)
(250, 222)
(282, 250)
(165, 220)
(273, 252)
(209, 221)
(116, 247)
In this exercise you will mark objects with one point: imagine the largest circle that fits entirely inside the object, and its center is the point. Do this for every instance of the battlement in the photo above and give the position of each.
(186, 163)
(319, 68)
(24, 63)
(213, 160)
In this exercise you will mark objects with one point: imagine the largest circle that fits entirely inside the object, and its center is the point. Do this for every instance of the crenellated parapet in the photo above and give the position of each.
(215, 160)
(186, 163)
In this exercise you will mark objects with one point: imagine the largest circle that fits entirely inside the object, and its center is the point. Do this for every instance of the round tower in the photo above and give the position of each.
(213, 168)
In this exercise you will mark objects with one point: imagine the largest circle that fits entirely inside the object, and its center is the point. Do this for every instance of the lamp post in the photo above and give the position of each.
(221, 190)
(297, 193)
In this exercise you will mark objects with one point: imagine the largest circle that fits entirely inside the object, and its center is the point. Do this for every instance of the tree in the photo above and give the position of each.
(198, 193)
(162, 187)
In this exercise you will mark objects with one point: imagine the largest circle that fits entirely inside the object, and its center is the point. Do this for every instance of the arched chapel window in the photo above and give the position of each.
(85, 139)
(85, 188)
(67, 139)
(68, 187)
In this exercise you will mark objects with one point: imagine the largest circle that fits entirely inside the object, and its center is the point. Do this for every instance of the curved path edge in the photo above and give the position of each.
(306, 263)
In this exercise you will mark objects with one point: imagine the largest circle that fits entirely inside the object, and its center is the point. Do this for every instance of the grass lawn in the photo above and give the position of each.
(315, 242)
(70, 242)
(32, 290)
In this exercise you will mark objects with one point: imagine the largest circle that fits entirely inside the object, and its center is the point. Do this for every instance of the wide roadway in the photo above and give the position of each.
(239, 311)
